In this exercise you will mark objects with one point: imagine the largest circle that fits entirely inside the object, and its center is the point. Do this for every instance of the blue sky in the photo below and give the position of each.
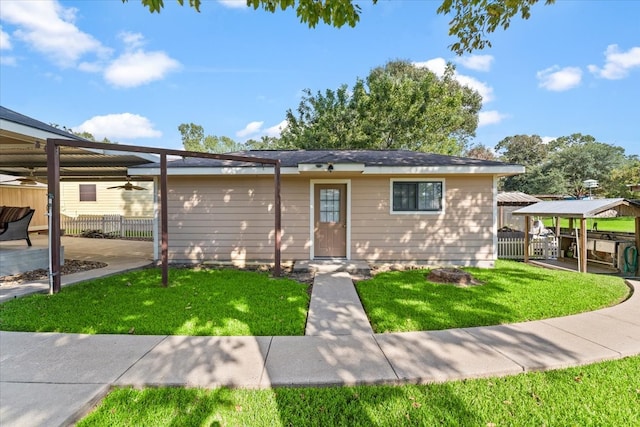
(118, 71)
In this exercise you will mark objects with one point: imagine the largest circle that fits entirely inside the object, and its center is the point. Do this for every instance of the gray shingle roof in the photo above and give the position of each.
(293, 158)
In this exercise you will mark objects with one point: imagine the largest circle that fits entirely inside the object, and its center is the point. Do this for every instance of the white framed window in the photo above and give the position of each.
(422, 196)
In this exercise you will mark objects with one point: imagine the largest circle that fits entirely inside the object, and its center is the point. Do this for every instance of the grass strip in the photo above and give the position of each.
(401, 301)
(197, 302)
(602, 394)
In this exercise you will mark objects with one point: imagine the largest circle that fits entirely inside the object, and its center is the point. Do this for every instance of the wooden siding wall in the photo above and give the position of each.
(134, 203)
(222, 219)
(34, 197)
(462, 235)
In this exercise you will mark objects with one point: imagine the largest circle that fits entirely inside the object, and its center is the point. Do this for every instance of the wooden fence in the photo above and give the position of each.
(539, 247)
(108, 225)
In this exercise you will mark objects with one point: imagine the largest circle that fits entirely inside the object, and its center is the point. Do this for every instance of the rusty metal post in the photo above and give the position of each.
(527, 219)
(164, 219)
(53, 188)
(278, 221)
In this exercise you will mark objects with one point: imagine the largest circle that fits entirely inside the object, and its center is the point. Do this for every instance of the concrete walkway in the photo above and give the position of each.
(51, 379)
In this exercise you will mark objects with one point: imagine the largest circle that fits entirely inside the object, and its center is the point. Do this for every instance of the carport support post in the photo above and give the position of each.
(53, 188)
(278, 221)
(164, 219)
(527, 219)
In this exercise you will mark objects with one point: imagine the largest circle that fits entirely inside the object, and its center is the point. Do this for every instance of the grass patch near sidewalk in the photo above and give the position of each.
(197, 302)
(602, 394)
(401, 301)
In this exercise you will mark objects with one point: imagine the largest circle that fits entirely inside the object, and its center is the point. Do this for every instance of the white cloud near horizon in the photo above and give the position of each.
(558, 79)
(276, 130)
(617, 64)
(476, 62)
(491, 117)
(438, 66)
(50, 29)
(548, 139)
(119, 126)
(251, 128)
(255, 129)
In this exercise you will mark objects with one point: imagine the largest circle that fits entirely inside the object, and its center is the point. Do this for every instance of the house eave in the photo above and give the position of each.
(506, 170)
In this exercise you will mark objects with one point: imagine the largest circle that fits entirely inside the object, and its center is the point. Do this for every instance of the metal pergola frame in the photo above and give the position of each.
(53, 183)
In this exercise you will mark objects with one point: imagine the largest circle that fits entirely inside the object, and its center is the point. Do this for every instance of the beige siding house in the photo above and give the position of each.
(364, 205)
(96, 198)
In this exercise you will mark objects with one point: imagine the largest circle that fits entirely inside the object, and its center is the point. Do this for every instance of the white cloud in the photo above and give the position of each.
(548, 139)
(119, 126)
(439, 65)
(135, 67)
(617, 64)
(476, 62)
(255, 130)
(559, 79)
(5, 40)
(234, 4)
(491, 117)
(276, 130)
(138, 68)
(8, 60)
(250, 129)
(436, 65)
(50, 29)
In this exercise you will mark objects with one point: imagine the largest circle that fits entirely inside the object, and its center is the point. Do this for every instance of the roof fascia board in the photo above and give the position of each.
(29, 131)
(444, 170)
(337, 167)
(371, 170)
(202, 171)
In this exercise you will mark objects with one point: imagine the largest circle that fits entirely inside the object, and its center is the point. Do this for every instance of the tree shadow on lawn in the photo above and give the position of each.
(208, 302)
(406, 301)
(409, 405)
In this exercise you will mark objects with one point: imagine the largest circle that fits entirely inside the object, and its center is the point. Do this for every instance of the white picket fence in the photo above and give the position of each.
(113, 225)
(539, 248)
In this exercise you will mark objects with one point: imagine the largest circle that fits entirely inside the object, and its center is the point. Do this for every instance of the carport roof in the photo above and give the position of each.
(22, 153)
(581, 208)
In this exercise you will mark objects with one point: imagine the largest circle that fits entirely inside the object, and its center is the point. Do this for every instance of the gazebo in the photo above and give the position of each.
(580, 210)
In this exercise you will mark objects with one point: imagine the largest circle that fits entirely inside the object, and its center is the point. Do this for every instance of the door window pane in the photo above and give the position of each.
(329, 205)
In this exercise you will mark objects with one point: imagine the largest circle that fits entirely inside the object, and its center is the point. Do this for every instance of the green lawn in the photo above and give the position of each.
(603, 394)
(205, 302)
(624, 224)
(401, 301)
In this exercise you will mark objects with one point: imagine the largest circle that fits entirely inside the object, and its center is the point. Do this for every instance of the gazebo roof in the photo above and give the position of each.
(581, 208)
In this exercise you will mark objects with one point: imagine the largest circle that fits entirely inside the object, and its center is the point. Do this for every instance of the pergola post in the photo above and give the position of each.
(53, 188)
(278, 222)
(164, 219)
(583, 245)
(527, 218)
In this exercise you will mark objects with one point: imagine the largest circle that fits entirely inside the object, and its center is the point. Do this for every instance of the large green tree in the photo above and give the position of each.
(194, 139)
(472, 22)
(398, 106)
(561, 166)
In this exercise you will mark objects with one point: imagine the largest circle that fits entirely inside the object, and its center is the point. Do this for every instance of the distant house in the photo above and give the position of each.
(365, 205)
(97, 198)
(509, 201)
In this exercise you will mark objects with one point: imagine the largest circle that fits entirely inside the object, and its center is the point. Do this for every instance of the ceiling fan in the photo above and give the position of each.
(28, 180)
(128, 186)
